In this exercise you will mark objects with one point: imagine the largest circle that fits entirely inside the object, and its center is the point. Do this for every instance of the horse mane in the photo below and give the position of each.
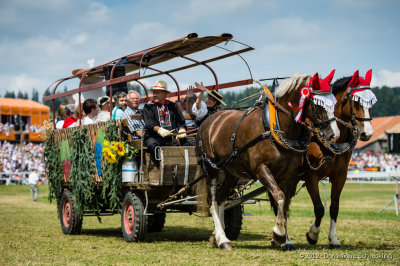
(340, 84)
(291, 83)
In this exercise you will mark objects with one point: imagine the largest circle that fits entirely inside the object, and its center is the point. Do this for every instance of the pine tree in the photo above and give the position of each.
(35, 95)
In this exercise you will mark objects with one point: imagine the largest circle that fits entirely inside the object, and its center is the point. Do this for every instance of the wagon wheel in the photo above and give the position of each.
(233, 222)
(155, 223)
(70, 220)
(133, 220)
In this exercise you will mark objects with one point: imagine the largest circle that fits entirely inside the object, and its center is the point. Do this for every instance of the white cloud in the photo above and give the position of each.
(24, 82)
(148, 34)
(386, 77)
(97, 13)
(200, 9)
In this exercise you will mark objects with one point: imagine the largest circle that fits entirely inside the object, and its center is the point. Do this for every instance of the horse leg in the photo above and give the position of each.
(221, 240)
(289, 192)
(278, 198)
(337, 186)
(319, 210)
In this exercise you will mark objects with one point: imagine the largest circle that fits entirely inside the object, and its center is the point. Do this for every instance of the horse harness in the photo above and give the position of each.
(340, 148)
(272, 130)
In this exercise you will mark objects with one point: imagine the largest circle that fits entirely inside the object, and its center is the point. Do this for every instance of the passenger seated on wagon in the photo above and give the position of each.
(72, 116)
(162, 118)
(203, 109)
(90, 109)
(120, 105)
(134, 125)
(104, 104)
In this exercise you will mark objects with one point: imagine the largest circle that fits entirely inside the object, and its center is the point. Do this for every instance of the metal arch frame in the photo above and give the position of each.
(53, 101)
(201, 63)
(136, 77)
(161, 72)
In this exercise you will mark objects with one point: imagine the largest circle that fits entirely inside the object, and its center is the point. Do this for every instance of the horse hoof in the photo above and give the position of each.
(332, 246)
(225, 246)
(310, 240)
(273, 243)
(279, 240)
(213, 241)
(288, 247)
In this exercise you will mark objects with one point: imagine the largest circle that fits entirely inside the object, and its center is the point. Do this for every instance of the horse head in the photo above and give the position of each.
(356, 102)
(317, 103)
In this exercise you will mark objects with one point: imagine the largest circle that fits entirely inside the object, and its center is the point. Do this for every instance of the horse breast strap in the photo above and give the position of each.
(271, 118)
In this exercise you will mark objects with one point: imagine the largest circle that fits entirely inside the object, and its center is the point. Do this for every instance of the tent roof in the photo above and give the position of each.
(21, 106)
(380, 125)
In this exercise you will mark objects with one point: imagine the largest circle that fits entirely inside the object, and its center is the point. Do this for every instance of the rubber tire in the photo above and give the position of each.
(233, 222)
(133, 230)
(71, 223)
(155, 223)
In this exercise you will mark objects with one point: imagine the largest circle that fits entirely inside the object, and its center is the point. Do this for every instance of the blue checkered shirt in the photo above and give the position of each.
(133, 124)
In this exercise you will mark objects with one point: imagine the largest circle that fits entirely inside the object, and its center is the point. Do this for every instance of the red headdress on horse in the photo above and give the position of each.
(360, 89)
(321, 93)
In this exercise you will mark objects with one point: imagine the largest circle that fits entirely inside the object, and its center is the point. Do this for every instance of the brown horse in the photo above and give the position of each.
(354, 99)
(275, 166)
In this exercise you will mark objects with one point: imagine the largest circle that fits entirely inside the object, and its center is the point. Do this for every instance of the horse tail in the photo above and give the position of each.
(201, 189)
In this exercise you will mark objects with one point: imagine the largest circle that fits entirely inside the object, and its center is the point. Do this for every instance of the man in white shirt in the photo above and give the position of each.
(203, 109)
(90, 109)
(33, 183)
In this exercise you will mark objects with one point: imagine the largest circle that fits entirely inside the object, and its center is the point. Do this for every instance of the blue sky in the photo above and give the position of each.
(44, 40)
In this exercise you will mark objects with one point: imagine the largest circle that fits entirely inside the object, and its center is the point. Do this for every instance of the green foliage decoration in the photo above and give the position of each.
(53, 167)
(112, 179)
(82, 173)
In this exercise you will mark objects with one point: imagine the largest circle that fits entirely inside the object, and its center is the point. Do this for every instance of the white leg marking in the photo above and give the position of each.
(332, 234)
(221, 215)
(220, 236)
(367, 124)
(334, 127)
(314, 232)
(279, 227)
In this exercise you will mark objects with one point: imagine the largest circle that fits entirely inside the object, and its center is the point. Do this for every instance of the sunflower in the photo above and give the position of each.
(119, 148)
(106, 143)
(112, 158)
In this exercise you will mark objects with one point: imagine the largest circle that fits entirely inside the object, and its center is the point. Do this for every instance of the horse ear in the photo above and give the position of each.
(330, 76)
(354, 79)
(368, 76)
(315, 82)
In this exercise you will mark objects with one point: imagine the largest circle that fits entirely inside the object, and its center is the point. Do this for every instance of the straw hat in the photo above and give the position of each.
(160, 85)
(216, 95)
(103, 100)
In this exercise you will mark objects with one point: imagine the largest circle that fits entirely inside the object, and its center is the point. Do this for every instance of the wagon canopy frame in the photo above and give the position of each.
(147, 58)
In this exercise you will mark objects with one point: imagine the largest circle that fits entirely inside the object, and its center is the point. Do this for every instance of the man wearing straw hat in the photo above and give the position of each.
(203, 109)
(162, 119)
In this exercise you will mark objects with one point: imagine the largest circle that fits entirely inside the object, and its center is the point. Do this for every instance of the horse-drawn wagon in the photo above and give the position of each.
(84, 182)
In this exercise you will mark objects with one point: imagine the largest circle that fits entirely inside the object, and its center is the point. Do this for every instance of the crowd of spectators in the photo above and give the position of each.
(374, 162)
(7, 128)
(17, 163)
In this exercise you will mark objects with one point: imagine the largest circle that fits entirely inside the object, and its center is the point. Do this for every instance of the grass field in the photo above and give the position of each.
(30, 233)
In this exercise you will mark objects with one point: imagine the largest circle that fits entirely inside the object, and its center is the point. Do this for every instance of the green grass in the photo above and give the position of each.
(30, 233)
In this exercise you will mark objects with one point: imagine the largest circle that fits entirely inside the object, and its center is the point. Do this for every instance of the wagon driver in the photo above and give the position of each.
(162, 119)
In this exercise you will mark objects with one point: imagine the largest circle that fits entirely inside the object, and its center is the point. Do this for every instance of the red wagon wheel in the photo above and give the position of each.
(129, 217)
(70, 220)
(133, 220)
(66, 213)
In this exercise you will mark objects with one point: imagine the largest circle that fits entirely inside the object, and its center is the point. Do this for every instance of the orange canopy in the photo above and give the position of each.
(24, 107)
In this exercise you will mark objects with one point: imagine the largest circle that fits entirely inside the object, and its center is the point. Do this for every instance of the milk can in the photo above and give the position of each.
(129, 171)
